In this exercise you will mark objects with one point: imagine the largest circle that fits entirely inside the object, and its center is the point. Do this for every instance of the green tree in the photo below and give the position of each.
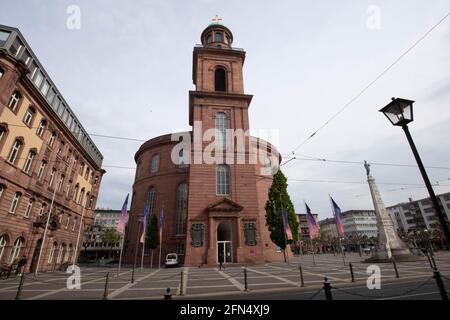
(279, 197)
(112, 237)
(152, 236)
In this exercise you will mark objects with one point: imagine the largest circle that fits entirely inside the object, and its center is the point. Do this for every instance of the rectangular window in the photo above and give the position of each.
(4, 35)
(52, 177)
(56, 103)
(41, 169)
(14, 203)
(40, 129)
(28, 117)
(52, 139)
(28, 162)
(155, 163)
(14, 152)
(50, 96)
(42, 209)
(29, 208)
(38, 79)
(45, 87)
(67, 222)
(16, 47)
(197, 235)
(250, 233)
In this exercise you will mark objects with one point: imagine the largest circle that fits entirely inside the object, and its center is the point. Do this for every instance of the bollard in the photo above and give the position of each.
(105, 292)
(351, 271)
(327, 289)
(19, 289)
(395, 268)
(302, 283)
(132, 275)
(440, 284)
(245, 280)
(182, 283)
(168, 295)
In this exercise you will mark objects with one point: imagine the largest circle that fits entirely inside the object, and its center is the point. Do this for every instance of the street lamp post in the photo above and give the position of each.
(400, 112)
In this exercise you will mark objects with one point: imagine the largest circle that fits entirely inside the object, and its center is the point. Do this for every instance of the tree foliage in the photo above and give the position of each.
(152, 234)
(278, 197)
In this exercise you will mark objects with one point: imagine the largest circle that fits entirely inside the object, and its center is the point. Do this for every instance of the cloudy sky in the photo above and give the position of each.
(127, 71)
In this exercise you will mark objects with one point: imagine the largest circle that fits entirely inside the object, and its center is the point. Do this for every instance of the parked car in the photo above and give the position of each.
(172, 260)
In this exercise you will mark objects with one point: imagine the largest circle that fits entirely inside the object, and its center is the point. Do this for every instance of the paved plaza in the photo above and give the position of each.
(266, 280)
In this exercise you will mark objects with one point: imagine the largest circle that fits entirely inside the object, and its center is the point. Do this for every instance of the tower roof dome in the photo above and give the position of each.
(217, 34)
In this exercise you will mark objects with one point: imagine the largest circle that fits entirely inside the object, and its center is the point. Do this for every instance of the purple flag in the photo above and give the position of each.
(123, 215)
(338, 218)
(144, 223)
(287, 227)
(313, 228)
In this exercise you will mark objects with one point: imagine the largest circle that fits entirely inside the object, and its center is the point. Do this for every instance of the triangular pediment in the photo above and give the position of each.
(224, 205)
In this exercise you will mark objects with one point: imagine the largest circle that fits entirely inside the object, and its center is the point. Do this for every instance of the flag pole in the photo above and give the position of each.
(79, 234)
(160, 237)
(121, 250)
(45, 231)
(337, 230)
(143, 246)
(312, 249)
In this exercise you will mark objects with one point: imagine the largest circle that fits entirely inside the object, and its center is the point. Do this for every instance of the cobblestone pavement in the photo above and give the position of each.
(207, 282)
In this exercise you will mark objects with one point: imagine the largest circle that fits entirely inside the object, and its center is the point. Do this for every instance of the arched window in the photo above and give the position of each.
(18, 244)
(220, 80)
(180, 219)
(52, 252)
(29, 161)
(3, 243)
(14, 101)
(52, 139)
(52, 177)
(209, 38)
(15, 149)
(221, 129)
(222, 180)
(155, 163)
(151, 200)
(62, 248)
(15, 203)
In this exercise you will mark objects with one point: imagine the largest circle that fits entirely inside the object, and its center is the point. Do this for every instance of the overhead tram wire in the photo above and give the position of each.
(360, 93)
(361, 163)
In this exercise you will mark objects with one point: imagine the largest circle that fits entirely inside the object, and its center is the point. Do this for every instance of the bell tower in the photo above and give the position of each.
(223, 196)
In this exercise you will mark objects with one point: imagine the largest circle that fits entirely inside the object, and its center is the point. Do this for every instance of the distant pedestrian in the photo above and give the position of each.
(221, 260)
(21, 265)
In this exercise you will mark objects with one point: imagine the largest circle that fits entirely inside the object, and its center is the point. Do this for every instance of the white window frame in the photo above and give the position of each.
(41, 128)
(40, 173)
(52, 177)
(16, 250)
(29, 208)
(29, 161)
(155, 163)
(14, 100)
(15, 149)
(223, 180)
(28, 118)
(14, 203)
(52, 252)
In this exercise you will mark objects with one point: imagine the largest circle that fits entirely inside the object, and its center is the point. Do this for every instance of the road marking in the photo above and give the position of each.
(129, 285)
(316, 274)
(275, 277)
(65, 289)
(236, 283)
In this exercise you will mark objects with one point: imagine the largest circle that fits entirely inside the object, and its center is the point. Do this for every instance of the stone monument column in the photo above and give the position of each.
(389, 243)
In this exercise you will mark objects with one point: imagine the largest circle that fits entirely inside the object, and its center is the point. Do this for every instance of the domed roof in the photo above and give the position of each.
(217, 26)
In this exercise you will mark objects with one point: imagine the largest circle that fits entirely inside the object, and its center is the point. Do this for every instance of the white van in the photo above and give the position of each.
(172, 260)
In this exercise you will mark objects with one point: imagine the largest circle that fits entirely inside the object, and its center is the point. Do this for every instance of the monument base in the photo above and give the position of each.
(399, 255)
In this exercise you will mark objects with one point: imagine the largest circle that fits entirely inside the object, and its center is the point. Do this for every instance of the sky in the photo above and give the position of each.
(127, 70)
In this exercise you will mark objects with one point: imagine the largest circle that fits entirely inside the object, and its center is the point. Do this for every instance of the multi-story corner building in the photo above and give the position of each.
(47, 160)
(418, 214)
(328, 227)
(303, 226)
(95, 245)
(360, 222)
(211, 206)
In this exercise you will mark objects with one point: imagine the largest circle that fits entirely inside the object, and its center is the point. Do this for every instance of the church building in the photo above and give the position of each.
(208, 207)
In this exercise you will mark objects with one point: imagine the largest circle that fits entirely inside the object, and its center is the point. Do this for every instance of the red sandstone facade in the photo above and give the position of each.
(72, 170)
(208, 207)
